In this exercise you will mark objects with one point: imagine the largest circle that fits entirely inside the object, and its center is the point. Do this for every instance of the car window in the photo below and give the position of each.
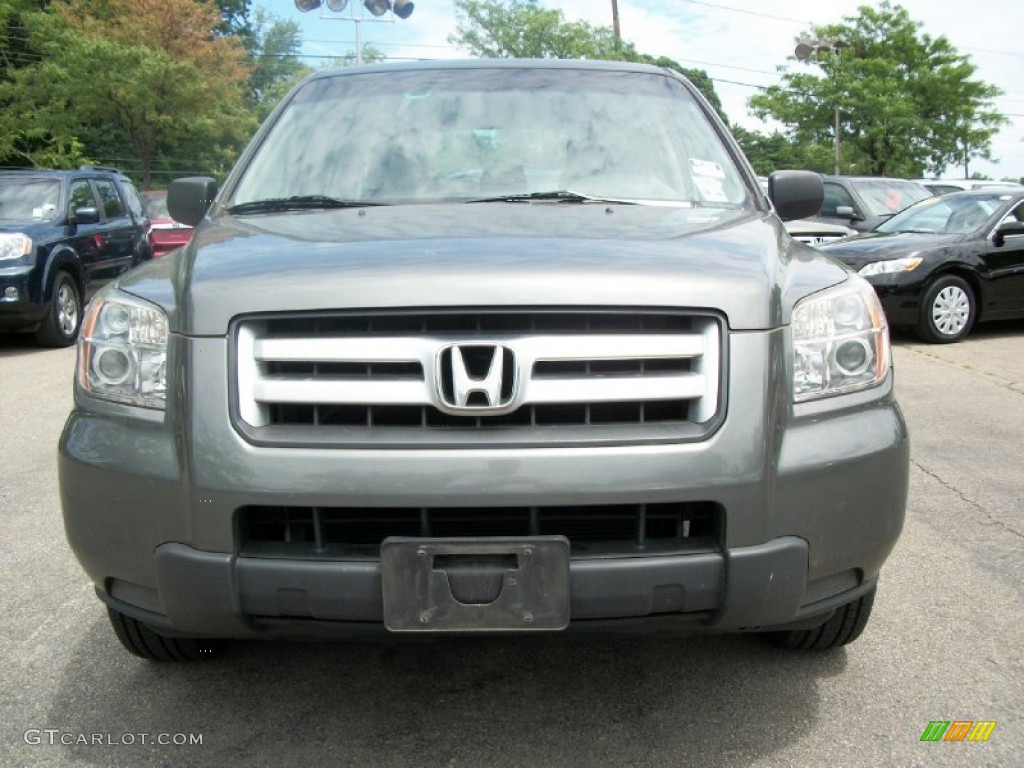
(28, 199)
(883, 197)
(80, 196)
(416, 137)
(134, 202)
(948, 214)
(1015, 214)
(835, 196)
(112, 206)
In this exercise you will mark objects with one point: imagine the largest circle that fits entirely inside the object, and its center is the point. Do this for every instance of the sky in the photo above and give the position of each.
(739, 43)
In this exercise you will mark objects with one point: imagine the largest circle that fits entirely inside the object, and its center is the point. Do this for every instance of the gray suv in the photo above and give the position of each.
(489, 346)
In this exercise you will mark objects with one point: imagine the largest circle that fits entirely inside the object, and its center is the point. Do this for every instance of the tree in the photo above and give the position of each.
(775, 151)
(138, 81)
(276, 66)
(495, 30)
(234, 15)
(908, 102)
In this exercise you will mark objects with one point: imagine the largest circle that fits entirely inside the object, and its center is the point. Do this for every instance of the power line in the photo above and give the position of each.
(716, 6)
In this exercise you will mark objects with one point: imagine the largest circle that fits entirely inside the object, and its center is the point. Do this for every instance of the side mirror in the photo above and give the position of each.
(796, 194)
(1007, 229)
(86, 215)
(190, 198)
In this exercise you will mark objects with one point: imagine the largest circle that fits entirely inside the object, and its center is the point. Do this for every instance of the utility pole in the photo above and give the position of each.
(615, 20)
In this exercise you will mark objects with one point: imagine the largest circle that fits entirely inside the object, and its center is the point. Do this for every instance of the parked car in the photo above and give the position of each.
(946, 262)
(164, 234)
(63, 234)
(522, 346)
(945, 186)
(864, 202)
(817, 233)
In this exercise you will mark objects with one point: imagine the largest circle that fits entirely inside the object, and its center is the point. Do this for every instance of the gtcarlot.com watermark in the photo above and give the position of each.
(54, 736)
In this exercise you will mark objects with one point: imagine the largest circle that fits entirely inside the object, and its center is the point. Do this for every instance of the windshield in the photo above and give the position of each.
(28, 199)
(949, 214)
(470, 134)
(884, 197)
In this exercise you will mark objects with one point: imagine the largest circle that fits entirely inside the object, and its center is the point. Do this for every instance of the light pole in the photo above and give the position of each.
(804, 50)
(388, 9)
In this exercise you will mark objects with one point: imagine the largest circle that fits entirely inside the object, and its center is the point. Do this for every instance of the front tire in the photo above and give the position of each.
(948, 310)
(844, 627)
(64, 315)
(143, 642)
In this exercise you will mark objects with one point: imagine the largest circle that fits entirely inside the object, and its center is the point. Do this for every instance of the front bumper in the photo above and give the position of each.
(209, 594)
(26, 309)
(813, 500)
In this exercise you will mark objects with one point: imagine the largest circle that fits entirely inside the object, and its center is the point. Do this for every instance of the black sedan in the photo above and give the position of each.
(946, 262)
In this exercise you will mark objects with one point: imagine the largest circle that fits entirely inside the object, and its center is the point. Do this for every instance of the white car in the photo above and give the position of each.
(945, 186)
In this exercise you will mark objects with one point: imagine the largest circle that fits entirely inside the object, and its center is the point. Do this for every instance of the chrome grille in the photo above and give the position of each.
(382, 379)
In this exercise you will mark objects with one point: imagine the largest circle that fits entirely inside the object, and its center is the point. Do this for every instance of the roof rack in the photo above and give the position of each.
(104, 168)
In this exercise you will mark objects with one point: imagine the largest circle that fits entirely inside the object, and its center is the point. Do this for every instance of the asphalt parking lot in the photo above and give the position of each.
(945, 641)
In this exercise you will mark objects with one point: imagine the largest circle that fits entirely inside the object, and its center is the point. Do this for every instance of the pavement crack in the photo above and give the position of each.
(1016, 387)
(967, 500)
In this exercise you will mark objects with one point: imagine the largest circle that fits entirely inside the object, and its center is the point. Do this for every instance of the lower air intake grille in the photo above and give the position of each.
(598, 529)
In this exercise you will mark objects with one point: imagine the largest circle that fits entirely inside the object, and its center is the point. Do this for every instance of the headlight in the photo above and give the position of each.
(122, 352)
(893, 265)
(840, 342)
(14, 245)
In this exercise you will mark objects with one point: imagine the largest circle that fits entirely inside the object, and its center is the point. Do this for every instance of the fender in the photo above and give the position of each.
(61, 257)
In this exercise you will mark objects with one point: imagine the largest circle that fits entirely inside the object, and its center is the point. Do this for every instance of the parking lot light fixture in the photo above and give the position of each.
(388, 9)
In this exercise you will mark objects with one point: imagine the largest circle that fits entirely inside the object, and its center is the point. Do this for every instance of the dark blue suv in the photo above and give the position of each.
(63, 234)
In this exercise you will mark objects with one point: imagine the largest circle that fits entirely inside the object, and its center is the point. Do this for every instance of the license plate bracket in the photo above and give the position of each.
(475, 585)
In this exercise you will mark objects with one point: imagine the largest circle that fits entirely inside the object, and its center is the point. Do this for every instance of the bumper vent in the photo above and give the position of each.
(304, 532)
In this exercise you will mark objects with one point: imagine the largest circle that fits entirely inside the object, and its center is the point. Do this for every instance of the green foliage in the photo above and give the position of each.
(276, 66)
(520, 30)
(90, 91)
(908, 102)
(495, 30)
(371, 55)
(235, 20)
(776, 152)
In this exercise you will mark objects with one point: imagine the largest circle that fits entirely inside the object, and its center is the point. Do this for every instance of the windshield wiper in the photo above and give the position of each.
(557, 195)
(296, 203)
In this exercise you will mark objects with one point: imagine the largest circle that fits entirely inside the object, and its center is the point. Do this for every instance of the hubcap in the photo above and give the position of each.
(67, 309)
(951, 310)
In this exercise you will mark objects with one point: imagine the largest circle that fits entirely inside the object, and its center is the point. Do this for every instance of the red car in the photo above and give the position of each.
(165, 234)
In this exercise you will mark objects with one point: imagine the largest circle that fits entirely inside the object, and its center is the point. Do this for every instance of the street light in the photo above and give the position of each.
(804, 50)
(377, 8)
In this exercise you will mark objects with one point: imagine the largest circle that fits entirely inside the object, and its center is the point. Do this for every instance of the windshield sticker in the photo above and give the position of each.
(711, 190)
(706, 168)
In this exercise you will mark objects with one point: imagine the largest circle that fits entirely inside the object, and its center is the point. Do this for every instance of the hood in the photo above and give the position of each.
(485, 255)
(37, 230)
(883, 246)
